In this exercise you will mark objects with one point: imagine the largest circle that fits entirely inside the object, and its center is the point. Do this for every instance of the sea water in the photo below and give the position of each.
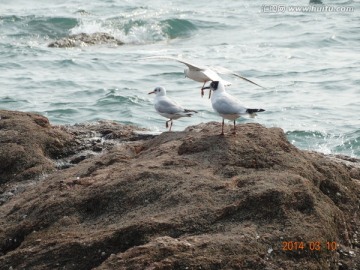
(309, 62)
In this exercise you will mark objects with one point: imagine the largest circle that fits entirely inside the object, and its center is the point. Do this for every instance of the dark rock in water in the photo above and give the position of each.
(319, 2)
(186, 200)
(83, 12)
(83, 39)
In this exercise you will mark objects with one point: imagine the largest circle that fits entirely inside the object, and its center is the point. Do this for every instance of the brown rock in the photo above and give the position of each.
(189, 200)
(28, 143)
(30, 148)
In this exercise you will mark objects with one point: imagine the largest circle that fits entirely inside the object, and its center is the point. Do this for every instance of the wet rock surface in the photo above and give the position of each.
(180, 200)
(30, 148)
(83, 39)
(28, 145)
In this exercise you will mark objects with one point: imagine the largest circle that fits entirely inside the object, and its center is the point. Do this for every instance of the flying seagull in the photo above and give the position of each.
(203, 73)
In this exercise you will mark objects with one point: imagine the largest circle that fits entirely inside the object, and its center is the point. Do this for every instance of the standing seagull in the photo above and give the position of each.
(203, 73)
(168, 108)
(228, 106)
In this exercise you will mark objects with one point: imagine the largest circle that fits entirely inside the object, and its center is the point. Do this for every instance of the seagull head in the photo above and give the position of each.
(215, 85)
(158, 91)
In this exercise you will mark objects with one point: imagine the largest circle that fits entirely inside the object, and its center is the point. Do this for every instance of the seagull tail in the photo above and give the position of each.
(253, 112)
(189, 112)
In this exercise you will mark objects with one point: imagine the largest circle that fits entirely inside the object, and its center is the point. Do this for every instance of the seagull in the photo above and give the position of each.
(168, 108)
(226, 105)
(203, 74)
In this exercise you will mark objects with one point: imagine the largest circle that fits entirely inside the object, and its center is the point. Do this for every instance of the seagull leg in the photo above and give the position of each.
(171, 123)
(222, 128)
(167, 123)
(209, 93)
(234, 131)
(202, 90)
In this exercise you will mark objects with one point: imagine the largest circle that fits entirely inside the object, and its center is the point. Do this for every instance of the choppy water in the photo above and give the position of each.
(309, 62)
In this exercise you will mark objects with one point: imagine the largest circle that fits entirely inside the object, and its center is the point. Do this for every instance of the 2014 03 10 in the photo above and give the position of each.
(311, 245)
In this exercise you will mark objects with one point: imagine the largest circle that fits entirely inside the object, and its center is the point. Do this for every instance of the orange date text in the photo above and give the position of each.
(312, 245)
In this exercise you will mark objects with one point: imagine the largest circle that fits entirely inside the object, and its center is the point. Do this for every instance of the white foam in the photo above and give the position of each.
(151, 32)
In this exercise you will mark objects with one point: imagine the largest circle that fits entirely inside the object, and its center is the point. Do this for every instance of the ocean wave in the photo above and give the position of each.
(175, 28)
(137, 31)
(328, 143)
(62, 112)
(168, 75)
(49, 27)
(7, 100)
(350, 147)
(112, 98)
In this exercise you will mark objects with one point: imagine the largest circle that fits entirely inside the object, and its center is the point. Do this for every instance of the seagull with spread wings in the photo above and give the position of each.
(203, 74)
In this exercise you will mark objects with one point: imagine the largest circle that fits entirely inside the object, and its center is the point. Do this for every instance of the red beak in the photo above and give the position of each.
(152, 92)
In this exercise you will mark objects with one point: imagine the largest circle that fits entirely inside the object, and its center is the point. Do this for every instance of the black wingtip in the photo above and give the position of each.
(186, 110)
(251, 111)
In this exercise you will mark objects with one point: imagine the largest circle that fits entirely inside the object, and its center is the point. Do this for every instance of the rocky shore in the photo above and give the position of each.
(111, 196)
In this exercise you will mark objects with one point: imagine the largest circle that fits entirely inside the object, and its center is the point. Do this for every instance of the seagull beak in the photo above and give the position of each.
(206, 87)
(152, 92)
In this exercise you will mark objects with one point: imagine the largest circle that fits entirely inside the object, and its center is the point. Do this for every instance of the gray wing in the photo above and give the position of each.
(245, 79)
(222, 70)
(180, 60)
(228, 105)
(191, 65)
(166, 105)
